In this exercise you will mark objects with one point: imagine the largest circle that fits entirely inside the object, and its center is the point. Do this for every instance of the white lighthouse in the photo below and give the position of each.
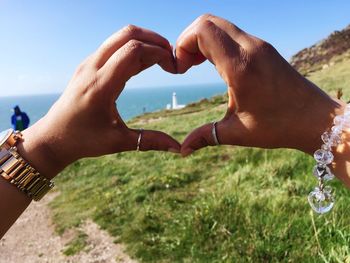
(176, 106)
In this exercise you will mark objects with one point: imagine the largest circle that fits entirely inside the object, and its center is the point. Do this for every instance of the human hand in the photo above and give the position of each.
(270, 104)
(84, 121)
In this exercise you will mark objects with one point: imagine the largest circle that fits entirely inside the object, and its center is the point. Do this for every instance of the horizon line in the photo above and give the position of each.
(132, 87)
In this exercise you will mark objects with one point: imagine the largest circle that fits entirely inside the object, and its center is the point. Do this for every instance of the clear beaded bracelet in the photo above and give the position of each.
(321, 199)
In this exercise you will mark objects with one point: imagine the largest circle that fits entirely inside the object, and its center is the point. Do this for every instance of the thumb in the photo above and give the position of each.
(154, 140)
(204, 136)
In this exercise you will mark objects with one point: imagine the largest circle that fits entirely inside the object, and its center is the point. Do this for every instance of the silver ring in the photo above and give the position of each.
(139, 140)
(213, 132)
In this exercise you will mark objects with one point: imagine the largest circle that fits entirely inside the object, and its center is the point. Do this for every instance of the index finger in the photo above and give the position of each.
(119, 39)
(203, 39)
(129, 60)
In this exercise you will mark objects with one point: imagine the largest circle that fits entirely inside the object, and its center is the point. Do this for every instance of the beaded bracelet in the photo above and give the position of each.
(321, 199)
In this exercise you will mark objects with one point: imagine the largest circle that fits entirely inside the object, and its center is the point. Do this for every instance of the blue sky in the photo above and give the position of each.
(42, 42)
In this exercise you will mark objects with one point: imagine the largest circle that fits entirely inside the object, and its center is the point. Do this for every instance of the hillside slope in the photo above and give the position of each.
(333, 78)
(323, 54)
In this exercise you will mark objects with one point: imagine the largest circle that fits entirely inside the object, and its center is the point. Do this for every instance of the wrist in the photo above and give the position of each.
(322, 122)
(37, 148)
(319, 118)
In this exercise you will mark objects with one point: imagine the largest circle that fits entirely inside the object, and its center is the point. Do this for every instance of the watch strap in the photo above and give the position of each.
(14, 169)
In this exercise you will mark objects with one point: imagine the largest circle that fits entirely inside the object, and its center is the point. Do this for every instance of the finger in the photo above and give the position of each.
(227, 133)
(154, 140)
(241, 37)
(131, 59)
(204, 38)
(119, 39)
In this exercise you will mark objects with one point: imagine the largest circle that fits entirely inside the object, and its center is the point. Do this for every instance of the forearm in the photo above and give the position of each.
(12, 203)
(34, 149)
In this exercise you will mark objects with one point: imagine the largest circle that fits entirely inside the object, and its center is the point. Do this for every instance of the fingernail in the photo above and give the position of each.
(173, 150)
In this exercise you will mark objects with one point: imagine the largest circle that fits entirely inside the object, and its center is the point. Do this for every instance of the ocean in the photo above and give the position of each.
(132, 102)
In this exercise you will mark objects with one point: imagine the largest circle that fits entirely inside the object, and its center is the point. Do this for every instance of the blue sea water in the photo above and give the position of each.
(132, 102)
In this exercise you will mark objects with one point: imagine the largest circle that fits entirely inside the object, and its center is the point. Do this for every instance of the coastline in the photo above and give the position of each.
(131, 103)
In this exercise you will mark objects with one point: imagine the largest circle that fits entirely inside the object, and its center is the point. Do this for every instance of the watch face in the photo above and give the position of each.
(4, 136)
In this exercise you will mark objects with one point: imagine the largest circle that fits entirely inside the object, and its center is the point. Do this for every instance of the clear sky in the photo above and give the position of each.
(41, 42)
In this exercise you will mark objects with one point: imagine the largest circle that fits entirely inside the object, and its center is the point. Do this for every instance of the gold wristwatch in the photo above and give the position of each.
(17, 171)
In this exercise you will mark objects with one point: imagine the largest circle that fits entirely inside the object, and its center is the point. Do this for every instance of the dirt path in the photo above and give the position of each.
(32, 239)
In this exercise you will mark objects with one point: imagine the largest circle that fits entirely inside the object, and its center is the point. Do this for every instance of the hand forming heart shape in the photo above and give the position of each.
(270, 104)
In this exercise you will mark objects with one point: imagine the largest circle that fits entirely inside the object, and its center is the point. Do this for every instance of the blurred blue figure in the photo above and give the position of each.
(20, 120)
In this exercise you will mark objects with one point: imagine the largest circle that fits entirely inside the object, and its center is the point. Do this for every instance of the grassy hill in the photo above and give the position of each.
(223, 204)
(334, 48)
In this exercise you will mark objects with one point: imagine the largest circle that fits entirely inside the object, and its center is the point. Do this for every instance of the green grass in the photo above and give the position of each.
(335, 77)
(223, 204)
